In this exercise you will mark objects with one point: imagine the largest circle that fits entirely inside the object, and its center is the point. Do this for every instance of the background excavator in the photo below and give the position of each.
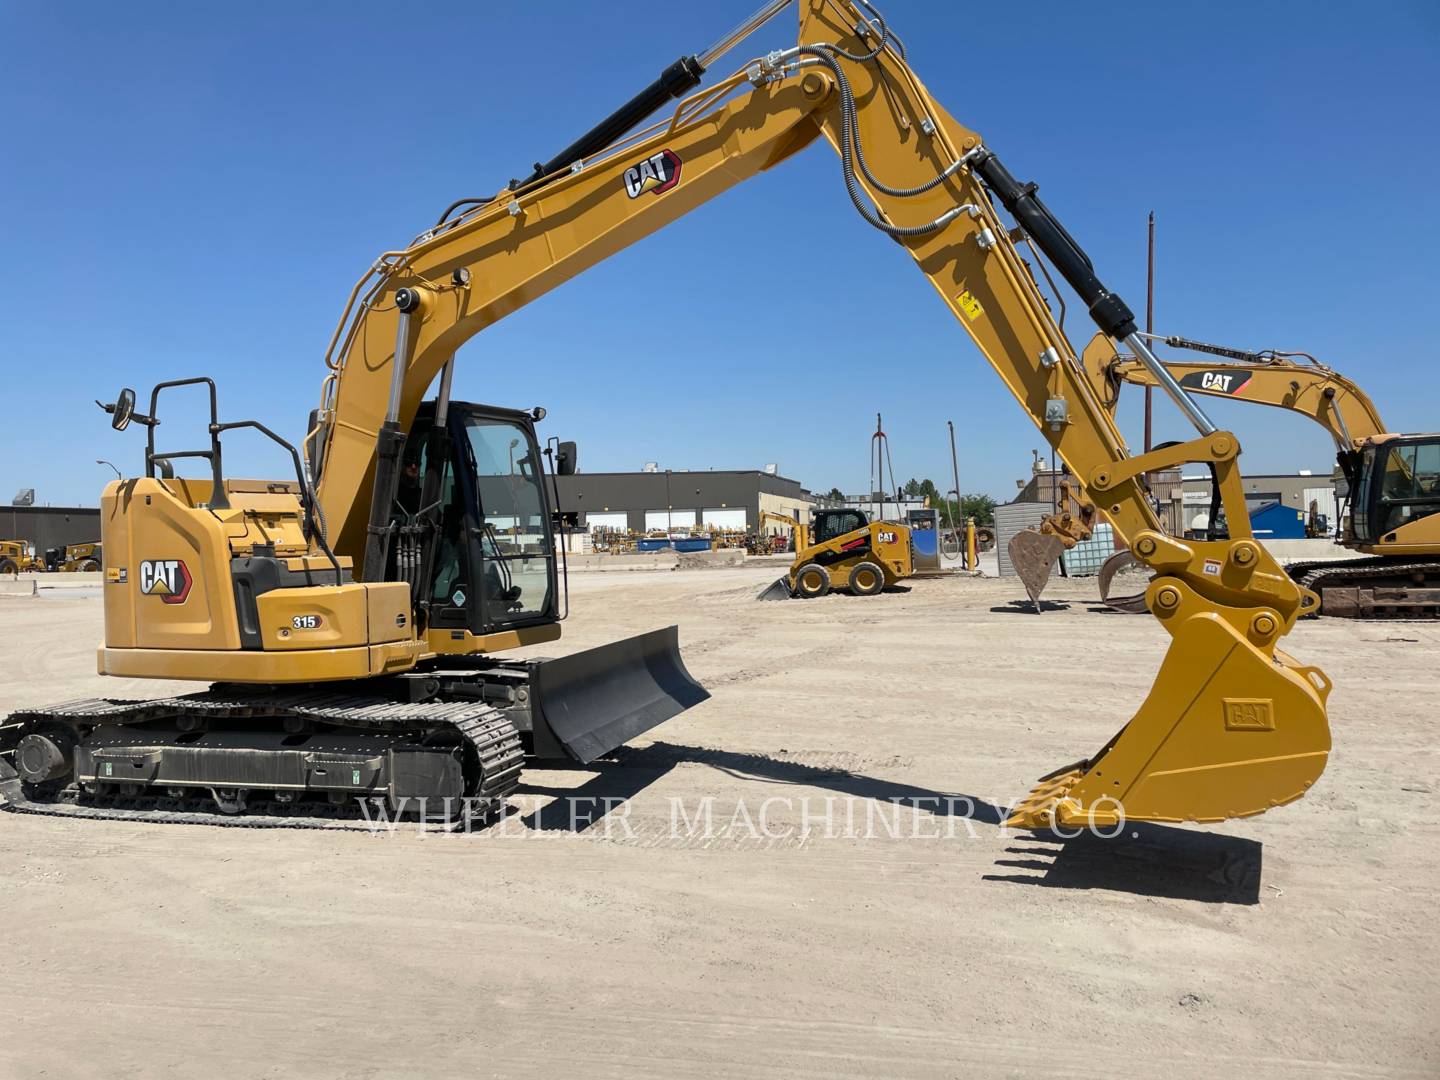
(1393, 479)
(351, 623)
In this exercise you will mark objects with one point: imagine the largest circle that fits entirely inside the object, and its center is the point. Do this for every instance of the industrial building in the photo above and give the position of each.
(50, 526)
(666, 499)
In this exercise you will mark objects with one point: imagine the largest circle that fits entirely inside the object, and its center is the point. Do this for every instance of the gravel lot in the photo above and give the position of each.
(1299, 943)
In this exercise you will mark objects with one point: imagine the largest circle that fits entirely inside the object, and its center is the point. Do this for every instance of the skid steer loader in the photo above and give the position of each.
(843, 549)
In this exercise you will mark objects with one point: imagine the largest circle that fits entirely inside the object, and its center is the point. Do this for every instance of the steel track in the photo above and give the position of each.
(488, 734)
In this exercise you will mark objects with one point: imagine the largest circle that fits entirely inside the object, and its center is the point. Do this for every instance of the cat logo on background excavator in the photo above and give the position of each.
(168, 579)
(1215, 382)
(657, 174)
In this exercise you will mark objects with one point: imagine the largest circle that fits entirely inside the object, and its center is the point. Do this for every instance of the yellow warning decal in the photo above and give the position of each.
(969, 305)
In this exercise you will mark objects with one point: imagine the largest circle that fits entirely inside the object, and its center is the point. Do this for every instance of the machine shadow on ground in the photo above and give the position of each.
(1025, 607)
(631, 770)
(1148, 860)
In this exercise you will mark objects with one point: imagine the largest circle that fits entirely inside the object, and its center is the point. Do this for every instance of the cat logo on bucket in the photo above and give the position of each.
(657, 174)
(168, 579)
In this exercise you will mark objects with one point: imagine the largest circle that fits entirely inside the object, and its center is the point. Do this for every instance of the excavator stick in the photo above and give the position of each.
(1226, 731)
(1034, 555)
(586, 705)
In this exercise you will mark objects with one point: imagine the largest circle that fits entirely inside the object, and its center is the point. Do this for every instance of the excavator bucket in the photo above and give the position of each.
(1135, 604)
(1226, 731)
(1034, 555)
(779, 589)
(585, 705)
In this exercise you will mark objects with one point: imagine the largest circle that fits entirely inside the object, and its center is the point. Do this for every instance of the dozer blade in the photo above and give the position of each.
(1131, 605)
(1225, 732)
(779, 589)
(1034, 555)
(592, 702)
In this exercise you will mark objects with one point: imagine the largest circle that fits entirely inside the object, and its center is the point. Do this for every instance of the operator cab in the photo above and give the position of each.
(1399, 483)
(494, 563)
(828, 524)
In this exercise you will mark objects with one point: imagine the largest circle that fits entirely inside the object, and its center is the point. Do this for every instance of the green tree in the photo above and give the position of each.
(912, 487)
(980, 507)
(834, 495)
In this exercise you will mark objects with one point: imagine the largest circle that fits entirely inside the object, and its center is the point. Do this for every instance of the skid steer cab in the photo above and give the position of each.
(844, 549)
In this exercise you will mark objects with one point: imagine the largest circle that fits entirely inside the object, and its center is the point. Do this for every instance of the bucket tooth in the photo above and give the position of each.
(1047, 803)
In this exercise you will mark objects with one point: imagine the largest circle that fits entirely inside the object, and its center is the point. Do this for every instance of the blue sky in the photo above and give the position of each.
(192, 189)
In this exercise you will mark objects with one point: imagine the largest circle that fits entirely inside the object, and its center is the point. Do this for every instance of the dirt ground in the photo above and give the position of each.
(1300, 943)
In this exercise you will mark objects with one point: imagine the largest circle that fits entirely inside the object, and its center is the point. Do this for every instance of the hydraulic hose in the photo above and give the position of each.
(851, 154)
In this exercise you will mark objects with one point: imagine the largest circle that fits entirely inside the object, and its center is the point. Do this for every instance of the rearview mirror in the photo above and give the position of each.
(122, 410)
(565, 459)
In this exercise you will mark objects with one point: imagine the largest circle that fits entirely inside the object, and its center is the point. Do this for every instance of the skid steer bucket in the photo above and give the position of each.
(779, 589)
(1034, 555)
(588, 704)
(1226, 731)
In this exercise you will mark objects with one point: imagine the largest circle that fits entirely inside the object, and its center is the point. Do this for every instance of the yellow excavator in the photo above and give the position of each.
(1393, 479)
(351, 616)
(842, 548)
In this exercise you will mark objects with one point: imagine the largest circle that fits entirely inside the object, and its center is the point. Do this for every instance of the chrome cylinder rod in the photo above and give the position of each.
(442, 398)
(741, 32)
(1166, 381)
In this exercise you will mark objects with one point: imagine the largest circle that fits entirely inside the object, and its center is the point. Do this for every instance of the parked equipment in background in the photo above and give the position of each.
(75, 557)
(18, 557)
(843, 549)
(1394, 480)
(354, 623)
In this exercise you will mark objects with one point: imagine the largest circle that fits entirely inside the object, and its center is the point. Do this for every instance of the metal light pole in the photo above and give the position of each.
(102, 461)
(959, 502)
(1149, 319)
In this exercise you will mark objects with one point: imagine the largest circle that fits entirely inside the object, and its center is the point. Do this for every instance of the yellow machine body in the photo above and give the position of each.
(83, 557)
(842, 549)
(171, 608)
(852, 561)
(18, 557)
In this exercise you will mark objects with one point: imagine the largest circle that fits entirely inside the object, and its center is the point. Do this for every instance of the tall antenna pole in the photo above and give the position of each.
(958, 528)
(1149, 322)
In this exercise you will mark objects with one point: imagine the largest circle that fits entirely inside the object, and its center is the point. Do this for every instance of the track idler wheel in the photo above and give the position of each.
(44, 760)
